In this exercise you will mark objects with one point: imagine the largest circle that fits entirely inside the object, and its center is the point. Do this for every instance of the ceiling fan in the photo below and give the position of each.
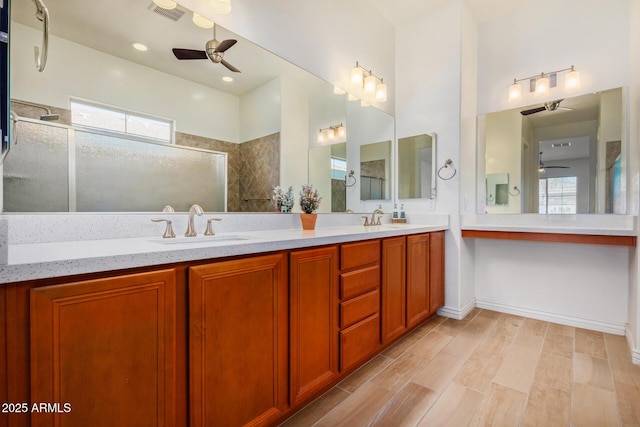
(547, 106)
(213, 50)
(542, 168)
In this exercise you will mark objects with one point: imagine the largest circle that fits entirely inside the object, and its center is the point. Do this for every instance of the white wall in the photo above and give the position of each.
(260, 111)
(197, 109)
(546, 36)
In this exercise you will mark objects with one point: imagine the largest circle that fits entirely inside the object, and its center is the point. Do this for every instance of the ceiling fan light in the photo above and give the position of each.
(542, 86)
(515, 92)
(572, 80)
(166, 4)
(221, 6)
(370, 84)
(356, 76)
(201, 21)
(381, 92)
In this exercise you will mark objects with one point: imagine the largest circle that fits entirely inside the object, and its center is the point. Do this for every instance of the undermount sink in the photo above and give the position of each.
(200, 239)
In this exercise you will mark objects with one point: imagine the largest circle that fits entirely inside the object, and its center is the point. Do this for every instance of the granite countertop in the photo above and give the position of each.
(56, 259)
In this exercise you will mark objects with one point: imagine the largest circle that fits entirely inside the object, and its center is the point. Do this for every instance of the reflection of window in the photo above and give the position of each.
(113, 119)
(338, 168)
(558, 195)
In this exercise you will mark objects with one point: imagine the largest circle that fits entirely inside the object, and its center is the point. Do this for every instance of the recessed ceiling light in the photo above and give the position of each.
(139, 46)
(227, 79)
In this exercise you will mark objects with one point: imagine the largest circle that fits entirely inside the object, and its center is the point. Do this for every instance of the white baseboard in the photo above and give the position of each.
(635, 351)
(579, 322)
(456, 313)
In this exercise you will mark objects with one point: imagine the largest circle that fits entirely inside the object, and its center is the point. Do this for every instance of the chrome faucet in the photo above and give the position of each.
(375, 221)
(191, 230)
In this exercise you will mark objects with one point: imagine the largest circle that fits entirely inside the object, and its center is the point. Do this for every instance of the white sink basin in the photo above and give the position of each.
(200, 239)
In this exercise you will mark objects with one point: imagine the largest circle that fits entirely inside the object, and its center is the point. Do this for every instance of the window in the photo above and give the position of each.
(558, 195)
(113, 119)
(338, 168)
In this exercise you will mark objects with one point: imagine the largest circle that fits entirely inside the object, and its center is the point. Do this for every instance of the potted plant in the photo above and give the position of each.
(284, 201)
(309, 202)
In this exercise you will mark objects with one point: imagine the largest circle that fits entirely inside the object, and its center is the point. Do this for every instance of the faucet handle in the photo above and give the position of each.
(366, 221)
(168, 232)
(209, 231)
(168, 208)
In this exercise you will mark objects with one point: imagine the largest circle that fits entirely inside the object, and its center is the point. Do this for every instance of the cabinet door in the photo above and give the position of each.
(238, 341)
(418, 306)
(436, 284)
(107, 349)
(394, 320)
(314, 321)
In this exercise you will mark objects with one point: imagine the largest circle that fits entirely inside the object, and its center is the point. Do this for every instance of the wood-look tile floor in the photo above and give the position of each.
(489, 369)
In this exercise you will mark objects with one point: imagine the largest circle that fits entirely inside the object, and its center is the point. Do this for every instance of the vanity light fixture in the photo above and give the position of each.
(331, 133)
(201, 21)
(166, 4)
(368, 82)
(541, 84)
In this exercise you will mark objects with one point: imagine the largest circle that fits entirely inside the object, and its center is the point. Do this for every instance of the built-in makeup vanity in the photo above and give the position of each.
(240, 328)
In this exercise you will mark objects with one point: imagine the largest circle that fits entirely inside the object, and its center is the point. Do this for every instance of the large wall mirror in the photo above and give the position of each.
(226, 128)
(416, 167)
(562, 157)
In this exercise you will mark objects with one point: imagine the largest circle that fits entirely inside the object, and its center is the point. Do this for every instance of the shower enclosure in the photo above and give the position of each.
(60, 168)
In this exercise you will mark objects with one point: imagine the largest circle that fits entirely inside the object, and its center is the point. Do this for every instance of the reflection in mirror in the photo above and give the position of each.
(91, 58)
(328, 172)
(497, 189)
(416, 167)
(568, 159)
(375, 162)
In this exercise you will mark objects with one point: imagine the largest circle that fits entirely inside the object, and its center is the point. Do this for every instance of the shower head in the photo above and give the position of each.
(49, 117)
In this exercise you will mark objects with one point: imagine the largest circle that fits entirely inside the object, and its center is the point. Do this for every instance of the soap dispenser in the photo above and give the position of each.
(402, 214)
(394, 215)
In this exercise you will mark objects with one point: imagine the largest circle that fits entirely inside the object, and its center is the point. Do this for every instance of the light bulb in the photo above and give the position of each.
(201, 21)
(356, 76)
(166, 4)
(542, 86)
(342, 131)
(320, 136)
(515, 92)
(370, 84)
(331, 134)
(381, 92)
(572, 80)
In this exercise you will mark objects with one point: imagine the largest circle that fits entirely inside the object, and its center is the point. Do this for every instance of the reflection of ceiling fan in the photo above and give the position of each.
(547, 106)
(542, 168)
(213, 50)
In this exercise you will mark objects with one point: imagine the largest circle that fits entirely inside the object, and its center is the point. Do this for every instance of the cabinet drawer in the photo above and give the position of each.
(354, 255)
(359, 341)
(359, 282)
(358, 308)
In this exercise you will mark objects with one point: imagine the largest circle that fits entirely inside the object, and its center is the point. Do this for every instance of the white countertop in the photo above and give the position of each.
(55, 259)
(608, 225)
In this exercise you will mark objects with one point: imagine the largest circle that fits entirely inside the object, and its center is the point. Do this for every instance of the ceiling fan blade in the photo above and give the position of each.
(225, 44)
(189, 54)
(229, 66)
(533, 111)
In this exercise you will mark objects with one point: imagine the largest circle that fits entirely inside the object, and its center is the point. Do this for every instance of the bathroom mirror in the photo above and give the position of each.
(91, 58)
(416, 171)
(375, 171)
(497, 189)
(568, 156)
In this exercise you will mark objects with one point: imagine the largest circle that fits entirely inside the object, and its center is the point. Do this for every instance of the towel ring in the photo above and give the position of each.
(515, 188)
(445, 166)
(352, 176)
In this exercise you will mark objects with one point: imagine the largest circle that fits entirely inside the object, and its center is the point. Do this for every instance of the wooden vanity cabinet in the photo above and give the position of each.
(106, 348)
(313, 323)
(394, 288)
(359, 302)
(418, 275)
(436, 271)
(238, 347)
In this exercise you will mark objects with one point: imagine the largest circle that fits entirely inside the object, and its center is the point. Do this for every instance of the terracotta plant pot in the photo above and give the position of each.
(308, 221)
